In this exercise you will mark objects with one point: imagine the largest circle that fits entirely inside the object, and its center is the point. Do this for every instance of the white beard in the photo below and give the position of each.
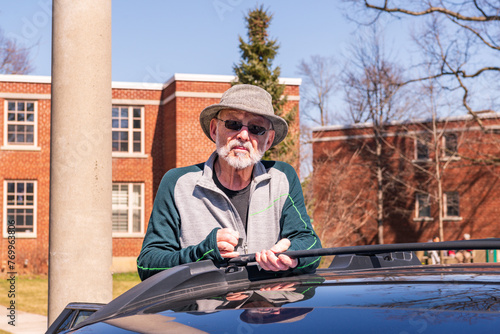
(238, 160)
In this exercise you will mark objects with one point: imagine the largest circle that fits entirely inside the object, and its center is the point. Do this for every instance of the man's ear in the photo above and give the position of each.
(213, 129)
(270, 139)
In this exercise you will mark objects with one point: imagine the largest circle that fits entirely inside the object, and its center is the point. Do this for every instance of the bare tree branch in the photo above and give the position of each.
(478, 35)
(319, 84)
(461, 43)
(431, 9)
(14, 59)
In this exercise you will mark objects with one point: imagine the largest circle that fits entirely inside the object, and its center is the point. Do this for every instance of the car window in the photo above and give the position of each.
(82, 315)
(67, 322)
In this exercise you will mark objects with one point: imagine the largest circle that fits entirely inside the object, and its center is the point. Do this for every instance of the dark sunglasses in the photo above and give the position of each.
(237, 125)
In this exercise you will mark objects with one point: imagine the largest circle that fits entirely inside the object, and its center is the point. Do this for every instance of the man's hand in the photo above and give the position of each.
(227, 240)
(269, 261)
(232, 296)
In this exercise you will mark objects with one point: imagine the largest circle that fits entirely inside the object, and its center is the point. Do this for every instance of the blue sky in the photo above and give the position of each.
(153, 39)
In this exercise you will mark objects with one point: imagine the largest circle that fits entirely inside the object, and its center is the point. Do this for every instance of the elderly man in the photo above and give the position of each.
(233, 203)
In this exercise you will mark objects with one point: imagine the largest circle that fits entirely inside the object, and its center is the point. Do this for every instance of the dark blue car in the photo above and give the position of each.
(366, 289)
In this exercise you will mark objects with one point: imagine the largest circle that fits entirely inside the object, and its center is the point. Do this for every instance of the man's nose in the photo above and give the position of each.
(243, 133)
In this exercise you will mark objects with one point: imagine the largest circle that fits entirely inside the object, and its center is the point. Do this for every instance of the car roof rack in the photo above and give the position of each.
(372, 250)
(371, 261)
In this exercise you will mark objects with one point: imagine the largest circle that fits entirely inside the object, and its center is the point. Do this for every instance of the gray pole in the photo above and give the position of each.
(80, 245)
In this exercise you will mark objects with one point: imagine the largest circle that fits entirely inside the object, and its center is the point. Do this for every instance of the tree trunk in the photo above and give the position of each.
(380, 195)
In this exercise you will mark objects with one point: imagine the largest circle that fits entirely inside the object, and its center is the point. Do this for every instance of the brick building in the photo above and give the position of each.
(430, 171)
(155, 128)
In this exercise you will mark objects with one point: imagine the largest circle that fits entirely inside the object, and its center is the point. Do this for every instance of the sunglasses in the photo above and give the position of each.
(237, 125)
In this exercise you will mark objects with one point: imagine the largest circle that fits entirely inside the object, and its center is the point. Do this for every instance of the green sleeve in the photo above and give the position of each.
(296, 225)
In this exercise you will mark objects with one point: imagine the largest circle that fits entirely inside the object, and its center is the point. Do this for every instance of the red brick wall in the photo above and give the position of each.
(136, 94)
(192, 144)
(28, 165)
(25, 87)
(168, 137)
(141, 170)
(476, 182)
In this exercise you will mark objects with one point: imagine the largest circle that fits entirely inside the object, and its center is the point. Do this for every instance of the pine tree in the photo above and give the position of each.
(255, 68)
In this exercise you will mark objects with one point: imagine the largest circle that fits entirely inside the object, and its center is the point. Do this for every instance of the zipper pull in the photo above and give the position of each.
(245, 248)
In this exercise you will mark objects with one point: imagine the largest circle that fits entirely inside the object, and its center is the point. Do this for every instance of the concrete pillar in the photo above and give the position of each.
(80, 247)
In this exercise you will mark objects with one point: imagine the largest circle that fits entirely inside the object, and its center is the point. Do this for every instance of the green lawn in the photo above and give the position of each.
(32, 291)
(123, 282)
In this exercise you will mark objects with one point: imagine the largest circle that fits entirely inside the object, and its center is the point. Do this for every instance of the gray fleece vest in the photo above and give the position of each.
(203, 206)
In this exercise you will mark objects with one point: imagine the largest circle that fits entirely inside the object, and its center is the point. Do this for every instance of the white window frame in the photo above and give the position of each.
(15, 146)
(130, 208)
(34, 207)
(130, 153)
(445, 207)
(417, 208)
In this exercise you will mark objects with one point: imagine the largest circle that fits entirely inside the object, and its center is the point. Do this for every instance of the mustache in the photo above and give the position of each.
(235, 142)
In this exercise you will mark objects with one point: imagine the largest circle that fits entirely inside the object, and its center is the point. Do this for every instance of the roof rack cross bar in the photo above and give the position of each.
(492, 243)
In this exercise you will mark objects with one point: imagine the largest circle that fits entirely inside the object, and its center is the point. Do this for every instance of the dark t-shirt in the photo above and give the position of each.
(239, 198)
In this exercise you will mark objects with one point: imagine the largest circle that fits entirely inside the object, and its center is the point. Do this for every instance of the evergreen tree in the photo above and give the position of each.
(255, 68)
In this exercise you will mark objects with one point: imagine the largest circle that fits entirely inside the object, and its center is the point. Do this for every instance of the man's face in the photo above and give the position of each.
(241, 148)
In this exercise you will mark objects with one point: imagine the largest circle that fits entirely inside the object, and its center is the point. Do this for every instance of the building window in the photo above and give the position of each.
(20, 206)
(450, 144)
(452, 204)
(128, 208)
(20, 122)
(422, 148)
(423, 206)
(127, 124)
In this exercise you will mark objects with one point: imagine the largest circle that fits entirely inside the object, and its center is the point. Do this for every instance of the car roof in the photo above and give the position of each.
(205, 294)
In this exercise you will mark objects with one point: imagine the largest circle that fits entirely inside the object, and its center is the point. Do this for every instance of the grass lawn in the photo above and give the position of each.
(32, 291)
(123, 282)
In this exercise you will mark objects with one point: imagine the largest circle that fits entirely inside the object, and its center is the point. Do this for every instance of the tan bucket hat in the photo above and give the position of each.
(248, 98)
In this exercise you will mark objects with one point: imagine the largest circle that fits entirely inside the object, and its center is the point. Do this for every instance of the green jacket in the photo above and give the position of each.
(189, 209)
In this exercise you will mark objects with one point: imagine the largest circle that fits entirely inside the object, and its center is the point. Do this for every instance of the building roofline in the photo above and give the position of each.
(145, 85)
(221, 78)
(136, 85)
(48, 79)
(25, 78)
(199, 77)
(395, 123)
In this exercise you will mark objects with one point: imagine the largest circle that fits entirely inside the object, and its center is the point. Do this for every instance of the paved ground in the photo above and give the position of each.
(25, 323)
